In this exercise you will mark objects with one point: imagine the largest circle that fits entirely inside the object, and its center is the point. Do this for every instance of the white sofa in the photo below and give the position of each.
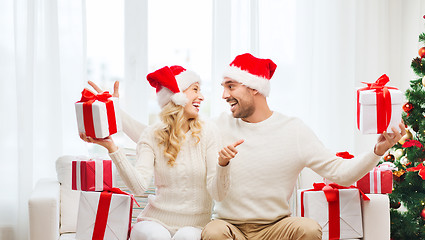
(53, 207)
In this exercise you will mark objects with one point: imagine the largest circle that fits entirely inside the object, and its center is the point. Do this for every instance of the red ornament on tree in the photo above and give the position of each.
(423, 214)
(395, 205)
(407, 107)
(421, 52)
(389, 158)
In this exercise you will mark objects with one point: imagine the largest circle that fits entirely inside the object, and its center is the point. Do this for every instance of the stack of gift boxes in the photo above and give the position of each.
(104, 211)
(338, 209)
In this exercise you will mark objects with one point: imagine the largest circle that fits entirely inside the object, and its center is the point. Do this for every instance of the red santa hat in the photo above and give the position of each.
(170, 82)
(252, 72)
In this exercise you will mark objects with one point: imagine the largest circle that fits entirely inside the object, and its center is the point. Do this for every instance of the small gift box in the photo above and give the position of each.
(378, 107)
(98, 114)
(337, 209)
(92, 175)
(379, 180)
(104, 215)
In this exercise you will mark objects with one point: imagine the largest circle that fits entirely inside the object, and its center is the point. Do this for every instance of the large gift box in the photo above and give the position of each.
(337, 209)
(104, 215)
(98, 114)
(378, 107)
(379, 180)
(92, 175)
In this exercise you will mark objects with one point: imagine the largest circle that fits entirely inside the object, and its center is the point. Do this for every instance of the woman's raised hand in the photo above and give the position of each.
(99, 90)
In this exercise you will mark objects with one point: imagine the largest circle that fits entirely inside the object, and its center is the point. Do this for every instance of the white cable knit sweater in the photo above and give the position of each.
(265, 170)
(184, 192)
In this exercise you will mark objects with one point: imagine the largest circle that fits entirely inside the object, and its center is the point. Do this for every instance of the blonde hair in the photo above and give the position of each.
(171, 135)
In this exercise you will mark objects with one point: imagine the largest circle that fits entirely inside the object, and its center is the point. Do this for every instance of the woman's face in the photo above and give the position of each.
(194, 96)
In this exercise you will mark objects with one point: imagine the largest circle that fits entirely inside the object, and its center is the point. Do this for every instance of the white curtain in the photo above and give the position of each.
(323, 50)
(42, 73)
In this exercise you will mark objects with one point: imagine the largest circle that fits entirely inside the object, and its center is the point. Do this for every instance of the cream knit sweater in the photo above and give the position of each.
(184, 192)
(265, 170)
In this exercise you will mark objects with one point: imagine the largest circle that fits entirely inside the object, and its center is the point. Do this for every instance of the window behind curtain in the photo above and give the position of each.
(179, 33)
(105, 41)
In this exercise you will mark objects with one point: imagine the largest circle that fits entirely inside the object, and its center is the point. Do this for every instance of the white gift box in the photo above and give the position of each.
(368, 112)
(317, 207)
(99, 118)
(118, 219)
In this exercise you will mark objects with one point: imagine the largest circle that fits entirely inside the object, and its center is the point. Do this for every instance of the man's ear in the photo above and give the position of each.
(254, 92)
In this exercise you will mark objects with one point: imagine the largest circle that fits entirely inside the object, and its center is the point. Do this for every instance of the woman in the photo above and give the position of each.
(182, 153)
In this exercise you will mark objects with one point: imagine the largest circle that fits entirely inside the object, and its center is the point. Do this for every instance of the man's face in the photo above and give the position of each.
(239, 97)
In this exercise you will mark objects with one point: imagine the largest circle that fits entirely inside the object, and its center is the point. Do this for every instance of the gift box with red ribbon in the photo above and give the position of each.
(98, 114)
(92, 175)
(379, 180)
(336, 208)
(104, 215)
(379, 107)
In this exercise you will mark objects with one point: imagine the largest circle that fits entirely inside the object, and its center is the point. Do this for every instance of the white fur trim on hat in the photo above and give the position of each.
(187, 78)
(164, 96)
(260, 84)
(179, 99)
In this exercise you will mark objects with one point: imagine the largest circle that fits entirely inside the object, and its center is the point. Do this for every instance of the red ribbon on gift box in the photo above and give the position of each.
(88, 98)
(383, 102)
(103, 212)
(331, 192)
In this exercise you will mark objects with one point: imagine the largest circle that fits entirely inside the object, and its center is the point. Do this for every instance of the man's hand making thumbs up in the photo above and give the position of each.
(227, 153)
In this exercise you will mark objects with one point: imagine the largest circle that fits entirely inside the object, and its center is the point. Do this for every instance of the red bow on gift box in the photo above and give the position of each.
(88, 95)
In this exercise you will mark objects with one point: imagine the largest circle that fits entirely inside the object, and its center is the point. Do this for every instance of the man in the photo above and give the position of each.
(275, 150)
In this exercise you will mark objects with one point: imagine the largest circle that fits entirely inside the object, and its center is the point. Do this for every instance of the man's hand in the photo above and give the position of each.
(99, 90)
(107, 142)
(387, 140)
(227, 153)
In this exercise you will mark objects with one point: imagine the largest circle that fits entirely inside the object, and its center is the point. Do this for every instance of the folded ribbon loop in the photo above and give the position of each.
(87, 96)
(386, 166)
(119, 191)
(378, 84)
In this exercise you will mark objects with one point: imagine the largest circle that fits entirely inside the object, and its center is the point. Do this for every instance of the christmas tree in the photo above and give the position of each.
(407, 200)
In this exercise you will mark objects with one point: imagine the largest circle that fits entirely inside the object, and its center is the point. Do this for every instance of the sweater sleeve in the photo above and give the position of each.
(131, 126)
(218, 177)
(137, 178)
(321, 160)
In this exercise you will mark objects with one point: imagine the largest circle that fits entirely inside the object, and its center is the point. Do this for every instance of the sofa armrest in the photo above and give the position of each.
(44, 213)
(376, 217)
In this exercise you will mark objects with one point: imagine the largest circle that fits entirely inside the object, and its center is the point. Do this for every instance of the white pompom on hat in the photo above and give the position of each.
(170, 82)
(252, 72)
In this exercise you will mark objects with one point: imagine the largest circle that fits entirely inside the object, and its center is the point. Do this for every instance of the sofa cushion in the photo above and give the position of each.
(69, 198)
